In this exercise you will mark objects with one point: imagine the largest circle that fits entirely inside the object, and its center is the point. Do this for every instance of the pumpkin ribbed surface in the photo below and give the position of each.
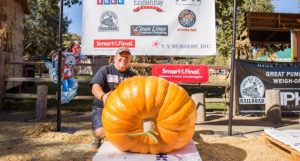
(139, 98)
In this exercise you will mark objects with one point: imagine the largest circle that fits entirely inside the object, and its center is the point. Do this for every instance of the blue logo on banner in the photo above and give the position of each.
(110, 2)
(106, 2)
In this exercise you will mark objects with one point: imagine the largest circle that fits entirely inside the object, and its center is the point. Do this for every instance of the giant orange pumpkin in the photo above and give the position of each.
(142, 101)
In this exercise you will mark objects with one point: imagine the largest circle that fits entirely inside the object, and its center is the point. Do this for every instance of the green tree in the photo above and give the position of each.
(224, 20)
(42, 24)
(69, 38)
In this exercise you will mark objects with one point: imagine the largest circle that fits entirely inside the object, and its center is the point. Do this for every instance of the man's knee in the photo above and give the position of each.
(99, 133)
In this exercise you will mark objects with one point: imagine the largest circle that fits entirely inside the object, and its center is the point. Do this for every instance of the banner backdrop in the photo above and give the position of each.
(253, 78)
(149, 27)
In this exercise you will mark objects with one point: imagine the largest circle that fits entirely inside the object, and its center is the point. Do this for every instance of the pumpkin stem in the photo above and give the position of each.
(149, 124)
(148, 133)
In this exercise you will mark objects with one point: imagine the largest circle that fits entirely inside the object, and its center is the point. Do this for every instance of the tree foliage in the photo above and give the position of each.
(224, 20)
(41, 27)
(69, 38)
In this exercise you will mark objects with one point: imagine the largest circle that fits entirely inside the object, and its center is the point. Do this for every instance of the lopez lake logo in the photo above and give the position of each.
(148, 4)
(252, 91)
(108, 22)
(187, 18)
(149, 30)
(188, 2)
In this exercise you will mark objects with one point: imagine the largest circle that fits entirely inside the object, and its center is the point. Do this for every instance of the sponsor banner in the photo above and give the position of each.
(182, 73)
(155, 27)
(254, 77)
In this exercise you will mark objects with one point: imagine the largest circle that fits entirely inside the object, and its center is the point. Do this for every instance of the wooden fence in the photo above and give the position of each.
(86, 80)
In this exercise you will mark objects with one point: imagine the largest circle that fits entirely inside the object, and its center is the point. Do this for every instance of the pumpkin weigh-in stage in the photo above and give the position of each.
(149, 115)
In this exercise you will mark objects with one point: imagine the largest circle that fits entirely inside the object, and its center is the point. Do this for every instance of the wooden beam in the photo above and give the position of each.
(87, 80)
(34, 96)
(225, 84)
(42, 63)
(144, 65)
(26, 79)
(272, 21)
(270, 36)
(269, 14)
(217, 100)
(271, 42)
(279, 25)
(3, 70)
(294, 155)
(253, 18)
(3, 2)
(269, 29)
(296, 46)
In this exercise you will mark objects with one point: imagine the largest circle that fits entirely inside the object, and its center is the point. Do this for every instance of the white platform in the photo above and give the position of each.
(288, 137)
(107, 152)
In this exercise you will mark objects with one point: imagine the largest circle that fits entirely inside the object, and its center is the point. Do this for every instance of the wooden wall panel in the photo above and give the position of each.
(15, 19)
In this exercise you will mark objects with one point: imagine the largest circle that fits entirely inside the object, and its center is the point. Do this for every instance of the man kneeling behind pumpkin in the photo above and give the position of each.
(103, 83)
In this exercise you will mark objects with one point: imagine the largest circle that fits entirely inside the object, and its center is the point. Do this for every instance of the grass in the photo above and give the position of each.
(215, 106)
(216, 79)
(85, 90)
(84, 76)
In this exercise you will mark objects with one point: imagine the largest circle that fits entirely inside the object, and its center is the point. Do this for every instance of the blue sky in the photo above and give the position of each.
(75, 13)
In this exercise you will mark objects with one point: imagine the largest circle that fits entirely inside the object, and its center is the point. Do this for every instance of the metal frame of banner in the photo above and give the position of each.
(232, 70)
(58, 115)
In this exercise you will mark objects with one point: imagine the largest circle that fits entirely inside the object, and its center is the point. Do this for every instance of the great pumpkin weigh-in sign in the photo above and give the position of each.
(255, 77)
(149, 27)
(182, 73)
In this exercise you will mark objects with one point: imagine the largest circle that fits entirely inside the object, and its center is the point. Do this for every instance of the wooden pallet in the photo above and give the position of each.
(295, 155)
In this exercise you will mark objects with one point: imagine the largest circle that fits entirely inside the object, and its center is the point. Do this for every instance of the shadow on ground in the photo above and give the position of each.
(217, 151)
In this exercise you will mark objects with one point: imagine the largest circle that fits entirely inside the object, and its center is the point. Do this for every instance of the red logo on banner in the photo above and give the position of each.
(114, 43)
(182, 73)
(148, 7)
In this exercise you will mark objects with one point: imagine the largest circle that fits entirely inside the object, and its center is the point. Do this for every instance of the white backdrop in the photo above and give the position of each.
(149, 27)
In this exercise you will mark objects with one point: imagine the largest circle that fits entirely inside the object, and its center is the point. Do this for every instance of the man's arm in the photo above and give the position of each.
(99, 93)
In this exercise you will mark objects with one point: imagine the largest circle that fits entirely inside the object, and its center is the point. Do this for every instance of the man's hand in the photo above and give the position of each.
(105, 96)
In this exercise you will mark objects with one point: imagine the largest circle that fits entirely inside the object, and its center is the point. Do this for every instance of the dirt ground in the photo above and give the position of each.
(22, 138)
